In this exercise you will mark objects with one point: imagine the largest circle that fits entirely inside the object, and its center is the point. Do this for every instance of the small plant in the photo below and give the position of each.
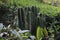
(45, 31)
(39, 33)
(46, 37)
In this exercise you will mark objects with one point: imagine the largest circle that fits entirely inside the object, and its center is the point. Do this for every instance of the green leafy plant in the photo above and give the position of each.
(2, 39)
(45, 32)
(39, 33)
(44, 8)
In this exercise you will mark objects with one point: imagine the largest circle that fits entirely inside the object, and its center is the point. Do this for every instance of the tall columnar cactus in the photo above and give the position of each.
(39, 33)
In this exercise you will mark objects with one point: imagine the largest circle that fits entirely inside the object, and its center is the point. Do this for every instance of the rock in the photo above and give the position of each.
(16, 34)
(1, 34)
(32, 37)
(28, 39)
(1, 26)
(23, 31)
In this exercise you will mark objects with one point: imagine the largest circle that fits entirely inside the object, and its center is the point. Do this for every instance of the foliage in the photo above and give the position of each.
(39, 33)
(2, 39)
(44, 8)
(47, 9)
(45, 32)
